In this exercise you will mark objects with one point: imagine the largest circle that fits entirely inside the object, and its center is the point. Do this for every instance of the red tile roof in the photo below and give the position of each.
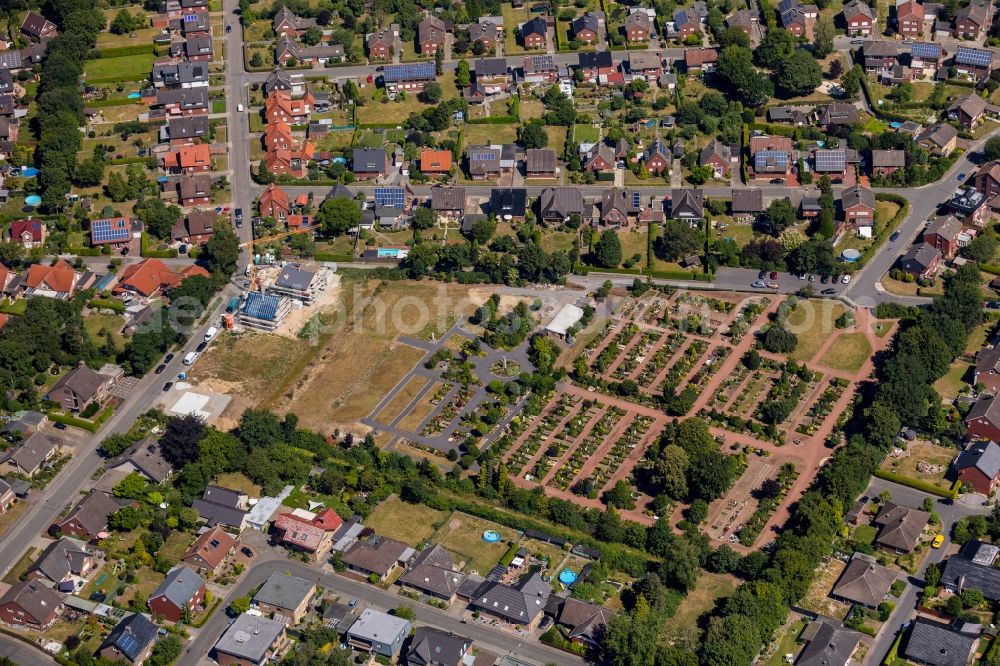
(58, 278)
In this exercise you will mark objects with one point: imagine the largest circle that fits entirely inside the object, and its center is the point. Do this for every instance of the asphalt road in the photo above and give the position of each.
(23, 654)
(487, 637)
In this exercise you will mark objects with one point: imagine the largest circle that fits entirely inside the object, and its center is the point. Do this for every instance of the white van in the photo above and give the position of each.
(190, 358)
(239, 108)
(210, 333)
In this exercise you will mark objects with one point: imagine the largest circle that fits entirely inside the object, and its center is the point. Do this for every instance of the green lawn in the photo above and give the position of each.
(848, 352)
(410, 523)
(865, 534)
(586, 134)
(709, 588)
(788, 643)
(812, 321)
(953, 381)
(111, 70)
(113, 323)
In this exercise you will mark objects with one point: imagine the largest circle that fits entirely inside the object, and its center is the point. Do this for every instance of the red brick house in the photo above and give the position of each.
(979, 466)
(717, 156)
(988, 179)
(686, 23)
(943, 234)
(182, 591)
(600, 160)
(859, 206)
(38, 27)
(657, 158)
(188, 159)
(380, 43)
(274, 203)
(700, 60)
(210, 550)
(587, 28)
(887, 162)
(910, 18)
(28, 233)
(859, 19)
(193, 190)
(279, 107)
(987, 370)
(89, 517)
(972, 19)
(30, 604)
(983, 420)
(533, 33)
(638, 26)
(431, 35)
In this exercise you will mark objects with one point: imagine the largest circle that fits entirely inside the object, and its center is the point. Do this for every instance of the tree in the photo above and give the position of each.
(124, 519)
(482, 230)
(122, 23)
(423, 218)
(798, 74)
(736, 68)
(89, 173)
(179, 443)
(776, 47)
(115, 444)
(851, 81)
(159, 218)
(699, 175)
(992, 148)
(116, 188)
(312, 36)
(631, 638)
(779, 340)
(256, 59)
(240, 605)
(823, 35)
(166, 650)
(222, 250)
(337, 215)
(463, 77)
(677, 240)
(982, 248)
(779, 216)
(431, 94)
(532, 134)
(608, 250)
(132, 487)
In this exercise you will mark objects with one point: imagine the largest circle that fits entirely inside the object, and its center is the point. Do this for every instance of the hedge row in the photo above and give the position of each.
(85, 251)
(493, 120)
(917, 484)
(889, 228)
(149, 253)
(101, 103)
(83, 424)
(106, 304)
(328, 256)
(120, 51)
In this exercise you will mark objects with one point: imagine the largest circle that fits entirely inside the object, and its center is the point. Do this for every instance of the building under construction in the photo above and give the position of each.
(298, 283)
(264, 312)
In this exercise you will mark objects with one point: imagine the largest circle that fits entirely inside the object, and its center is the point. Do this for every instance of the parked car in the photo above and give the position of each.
(774, 275)
(772, 285)
(938, 541)
(167, 386)
(761, 275)
(168, 358)
(846, 279)
(229, 28)
(160, 368)
(894, 237)
(59, 426)
(201, 347)
(758, 284)
(825, 279)
(828, 292)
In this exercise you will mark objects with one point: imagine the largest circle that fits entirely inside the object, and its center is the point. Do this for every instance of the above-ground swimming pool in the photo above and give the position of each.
(29, 172)
(134, 95)
(567, 577)
(491, 536)
(32, 200)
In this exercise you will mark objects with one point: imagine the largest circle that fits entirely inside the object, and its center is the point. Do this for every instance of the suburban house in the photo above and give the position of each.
(973, 63)
(864, 582)
(28, 233)
(222, 506)
(939, 644)
(435, 162)
(968, 110)
(114, 231)
(80, 387)
(433, 573)
(485, 32)
(744, 19)
(540, 69)
(601, 159)
(700, 60)
(377, 555)
(183, 102)
(541, 163)
(926, 57)
(596, 66)
(378, 633)
(490, 75)
(521, 604)
(7, 496)
(939, 139)
(657, 157)
(65, 562)
(285, 23)
(132, 640)
(920, 260)
(192, 190)
(308, 532)
(827, 644)
(57, 281)
(188, 159)
(433, 647)
(858, 18)
(620, 207)
(979, 466)
(831, 163)
(431, 33)
(645, 64)
(274, 203)
(972, 19)
(209, 551)
(298, 283)
(448, 202)
(280, 79)
(987, 370)
(688, 205)
(969, 206)
(284, 595)
(252, 641)
(30, 604)
(508, 203)
(771, 157)
(369, 163)
(182, 75)
(988, 179)
(89, 517)
(381, 43)
(195, 227)
(638, 25)
(38, 28)
(585, 622)
(909, 18)
(279, 107)
(797, 18)
(900, 527)
(858, 203)
(587, 28)
(180, 593)
(983, 420)
(943, 233)
(686, 23)
(29, 455)
(887, 162)
(973, 567)
(829, 117)
(716, 155)
(150, 277)
(747, 203)
(557, 204)
(534, 33)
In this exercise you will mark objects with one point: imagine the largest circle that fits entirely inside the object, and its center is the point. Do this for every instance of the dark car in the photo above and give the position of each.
(825, 279)
(239, 214)
(380, 68)
(168, 358)
(60, 426)
(993, 305)
(894, 237)
(160, 368)
(762, 275)
(166, 387)
(229, 29)
(828, 291)
(239, 223)
(774, 275)
(201, 347)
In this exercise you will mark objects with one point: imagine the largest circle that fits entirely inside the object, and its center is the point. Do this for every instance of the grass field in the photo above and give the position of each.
(255, 368)
(882, 328)
(474, 135)
(817, 599)
(812, 321)
(865, 534)
(685, 625)
(634, 241)
(788, 644)
(175, 546)
(419, 412)
(402, 399)
(410, 523)
(586, 134)
(953, 381)
(923, 452)
(113, 323)
(462, 535)
(848, 352)
(557, 240)
(127, 68)
(512, 18)
(237, 481)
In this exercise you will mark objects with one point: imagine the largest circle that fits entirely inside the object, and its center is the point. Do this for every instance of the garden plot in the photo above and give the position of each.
(617, 454)
(821, 407)
(449, 413)
(694, 354)
(433, 397)
(923, 461)
(746, 318)
(728, 514)
(568, 467)
(656, 361)
(560, 410)
(730, 388)
(628, 363)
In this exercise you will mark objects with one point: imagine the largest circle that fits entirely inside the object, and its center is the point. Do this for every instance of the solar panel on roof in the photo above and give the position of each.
(764, 158)
(976, 57)
(261, 306)
(484, 157)
(636, 199)
(108, 231)
(421, 70)
(394, 197)
(128, 645)
(925, 50)
(830, 160)
(190, 18)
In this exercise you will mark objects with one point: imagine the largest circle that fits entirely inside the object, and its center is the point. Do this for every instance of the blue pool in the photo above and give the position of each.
(491, 536)
(32, 200)
(567, 577)
(29, 172)
(134, 95)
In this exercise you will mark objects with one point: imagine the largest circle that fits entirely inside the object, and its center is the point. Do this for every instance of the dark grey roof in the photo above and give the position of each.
(368, 159)
(433, 571)
(293, 277)
(249, 637)
(901, 526)
(940, 134)
(179, 587)
(62, 558)
(187, 98)
(888, 158)
(828, 645)
(535, 26)
(448, 198)
(589, 21)
(960, 573)
(223, 496)
(490, 67)
(687, 204)
(131, 636)
(33, 451)
(596, 60)
(520, 604)
(283, 591)
(938, 644)
(560, 202)
(377, 554)
(188, 127)
(748, 200)
(858, 195)
(147, 457)
(923, 256)
(433, 646)
(35, 599)
(508, 201)
(93, 510)
(540, 160)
